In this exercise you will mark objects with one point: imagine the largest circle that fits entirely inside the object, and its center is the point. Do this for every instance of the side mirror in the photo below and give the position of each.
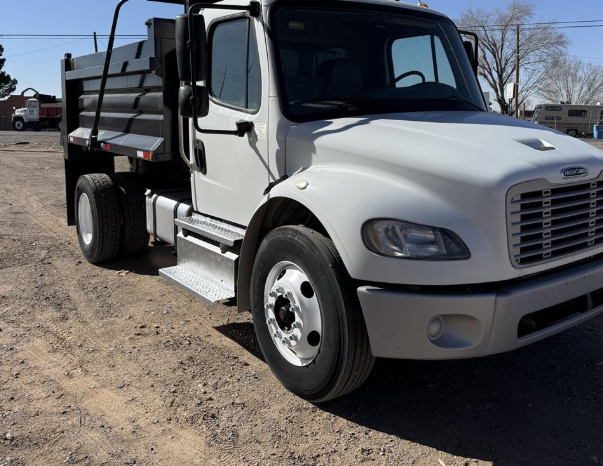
(472, 55)
(197, 40)
(185, 103)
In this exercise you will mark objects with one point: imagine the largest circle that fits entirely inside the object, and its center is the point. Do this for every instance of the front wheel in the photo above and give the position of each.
(307, 316)
(573, 133)
(19, 125)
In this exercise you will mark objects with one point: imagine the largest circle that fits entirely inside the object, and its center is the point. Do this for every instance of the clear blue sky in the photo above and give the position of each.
(41, 70)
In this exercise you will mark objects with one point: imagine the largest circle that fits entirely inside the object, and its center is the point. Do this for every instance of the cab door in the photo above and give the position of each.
(230, 173)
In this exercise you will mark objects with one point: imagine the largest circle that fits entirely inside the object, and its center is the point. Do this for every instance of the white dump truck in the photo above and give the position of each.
(331, 166)
(41, 111)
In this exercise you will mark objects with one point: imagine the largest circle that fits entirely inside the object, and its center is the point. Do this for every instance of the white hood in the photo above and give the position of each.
(445, 169)
(468, 147)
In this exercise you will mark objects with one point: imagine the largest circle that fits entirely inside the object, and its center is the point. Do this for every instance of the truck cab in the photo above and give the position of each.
(331, 166)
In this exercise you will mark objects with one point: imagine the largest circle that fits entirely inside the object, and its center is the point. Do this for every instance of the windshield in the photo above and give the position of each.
(338, 61)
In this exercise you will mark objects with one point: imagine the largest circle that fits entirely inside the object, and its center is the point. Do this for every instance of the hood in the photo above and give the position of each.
(473, 148)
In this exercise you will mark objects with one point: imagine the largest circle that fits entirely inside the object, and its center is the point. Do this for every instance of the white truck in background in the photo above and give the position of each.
(42, 111)
(331, 165)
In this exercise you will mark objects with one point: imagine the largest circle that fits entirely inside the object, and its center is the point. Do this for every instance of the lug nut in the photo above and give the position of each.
(289, 295)
(269, 306)
(293, 338)
(280, 290)
(273, 294)
(271, 321)
(295, 325)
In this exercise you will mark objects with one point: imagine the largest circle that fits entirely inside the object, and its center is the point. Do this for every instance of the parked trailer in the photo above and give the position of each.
(574, 120)
(332, 167)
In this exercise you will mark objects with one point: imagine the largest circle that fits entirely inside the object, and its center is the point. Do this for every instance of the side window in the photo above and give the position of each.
(553, 109)
(417, 54)
(552, 118)
(578, 113)
(235, 65)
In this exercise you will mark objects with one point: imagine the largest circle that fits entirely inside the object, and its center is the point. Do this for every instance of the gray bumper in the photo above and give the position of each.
(477, 324)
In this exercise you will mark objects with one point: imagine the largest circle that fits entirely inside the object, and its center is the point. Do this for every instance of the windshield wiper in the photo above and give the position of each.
(460, 100)
(355, 101)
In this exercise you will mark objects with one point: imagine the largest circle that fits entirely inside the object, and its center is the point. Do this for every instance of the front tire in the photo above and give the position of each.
(19, 125)
(97, 217)
(307, 316)
(573, 133)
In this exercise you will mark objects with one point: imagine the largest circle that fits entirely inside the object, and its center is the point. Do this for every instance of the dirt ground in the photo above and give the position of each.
(114, 366)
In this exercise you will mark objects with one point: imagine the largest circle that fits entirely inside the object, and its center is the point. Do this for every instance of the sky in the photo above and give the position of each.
(40, 69)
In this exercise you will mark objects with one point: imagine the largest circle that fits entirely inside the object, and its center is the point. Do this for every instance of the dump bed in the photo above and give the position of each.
(139, 116)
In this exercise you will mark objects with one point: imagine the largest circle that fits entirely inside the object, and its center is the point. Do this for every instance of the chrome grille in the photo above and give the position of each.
(547, 222)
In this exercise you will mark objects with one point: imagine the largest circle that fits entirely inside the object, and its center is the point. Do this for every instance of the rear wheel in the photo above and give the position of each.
(131, 193)
(572, 132)
(307, 317)
(19, 125)
(97, 217)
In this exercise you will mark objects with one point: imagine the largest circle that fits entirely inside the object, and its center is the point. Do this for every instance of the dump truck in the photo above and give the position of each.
(331, 167)
(42, 111)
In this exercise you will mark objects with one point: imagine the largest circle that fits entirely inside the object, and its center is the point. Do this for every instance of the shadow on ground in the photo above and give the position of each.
(538, 406)
(148, 264)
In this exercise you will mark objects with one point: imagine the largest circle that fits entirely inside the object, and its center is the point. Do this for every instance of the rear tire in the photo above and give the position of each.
(573, 133)
(131, 192)
(97, 217)
(326, 303)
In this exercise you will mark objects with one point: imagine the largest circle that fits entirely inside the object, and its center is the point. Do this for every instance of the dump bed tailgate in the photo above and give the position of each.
(138, 117)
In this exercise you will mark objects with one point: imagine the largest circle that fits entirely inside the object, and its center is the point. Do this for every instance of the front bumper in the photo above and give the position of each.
(482, 323)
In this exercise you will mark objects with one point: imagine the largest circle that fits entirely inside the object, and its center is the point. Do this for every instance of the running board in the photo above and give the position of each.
(201, 287)
(223, 233)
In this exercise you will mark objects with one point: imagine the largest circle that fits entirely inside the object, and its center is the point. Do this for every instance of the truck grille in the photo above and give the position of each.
(547, 222)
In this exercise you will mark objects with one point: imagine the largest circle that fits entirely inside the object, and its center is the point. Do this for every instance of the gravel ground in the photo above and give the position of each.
(112, 365)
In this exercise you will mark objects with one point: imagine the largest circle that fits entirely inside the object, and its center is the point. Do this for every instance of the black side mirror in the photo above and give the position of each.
(186, 104)
(471, 54)
(185, 42)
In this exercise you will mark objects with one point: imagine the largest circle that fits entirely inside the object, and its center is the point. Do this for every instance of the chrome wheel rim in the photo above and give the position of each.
(19, 125)
(85, 218)
(293, 314)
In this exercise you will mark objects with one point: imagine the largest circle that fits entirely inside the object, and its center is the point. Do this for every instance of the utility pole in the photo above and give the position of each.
(95, 43)
(517, 75)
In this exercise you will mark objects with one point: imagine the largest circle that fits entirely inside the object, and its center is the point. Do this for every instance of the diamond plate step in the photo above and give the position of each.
(221, 232)
(201, 287)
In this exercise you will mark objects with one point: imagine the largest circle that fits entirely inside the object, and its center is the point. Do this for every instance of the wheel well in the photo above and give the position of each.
(277, 212)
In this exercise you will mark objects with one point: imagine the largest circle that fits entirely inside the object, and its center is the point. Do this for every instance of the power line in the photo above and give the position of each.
(546, 23)
(68, 35)
(43, 50)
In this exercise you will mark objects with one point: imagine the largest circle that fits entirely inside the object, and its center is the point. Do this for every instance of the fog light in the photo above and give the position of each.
(435, 328)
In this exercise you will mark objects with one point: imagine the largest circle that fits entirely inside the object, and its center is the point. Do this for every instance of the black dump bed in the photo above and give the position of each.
(139, 116)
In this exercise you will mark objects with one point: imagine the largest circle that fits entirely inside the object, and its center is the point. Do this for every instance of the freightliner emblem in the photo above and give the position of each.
(574, 172)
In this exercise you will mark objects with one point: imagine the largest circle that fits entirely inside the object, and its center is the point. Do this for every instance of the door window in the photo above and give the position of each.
(235, 65)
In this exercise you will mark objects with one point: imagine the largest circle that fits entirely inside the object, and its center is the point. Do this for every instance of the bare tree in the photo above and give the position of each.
(572, 80)
(538, 46)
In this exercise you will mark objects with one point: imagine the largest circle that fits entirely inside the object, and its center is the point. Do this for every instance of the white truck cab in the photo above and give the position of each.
(335, 169)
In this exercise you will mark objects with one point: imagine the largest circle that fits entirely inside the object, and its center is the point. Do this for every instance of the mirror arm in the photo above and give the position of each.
(243, 127)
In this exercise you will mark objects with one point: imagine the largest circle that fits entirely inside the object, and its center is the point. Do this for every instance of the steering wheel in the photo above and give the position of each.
(406, 75)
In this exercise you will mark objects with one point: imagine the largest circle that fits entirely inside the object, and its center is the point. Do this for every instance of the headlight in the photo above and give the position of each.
(394, 238)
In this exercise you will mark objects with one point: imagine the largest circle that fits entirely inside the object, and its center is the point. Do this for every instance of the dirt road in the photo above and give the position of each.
(112, 365)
